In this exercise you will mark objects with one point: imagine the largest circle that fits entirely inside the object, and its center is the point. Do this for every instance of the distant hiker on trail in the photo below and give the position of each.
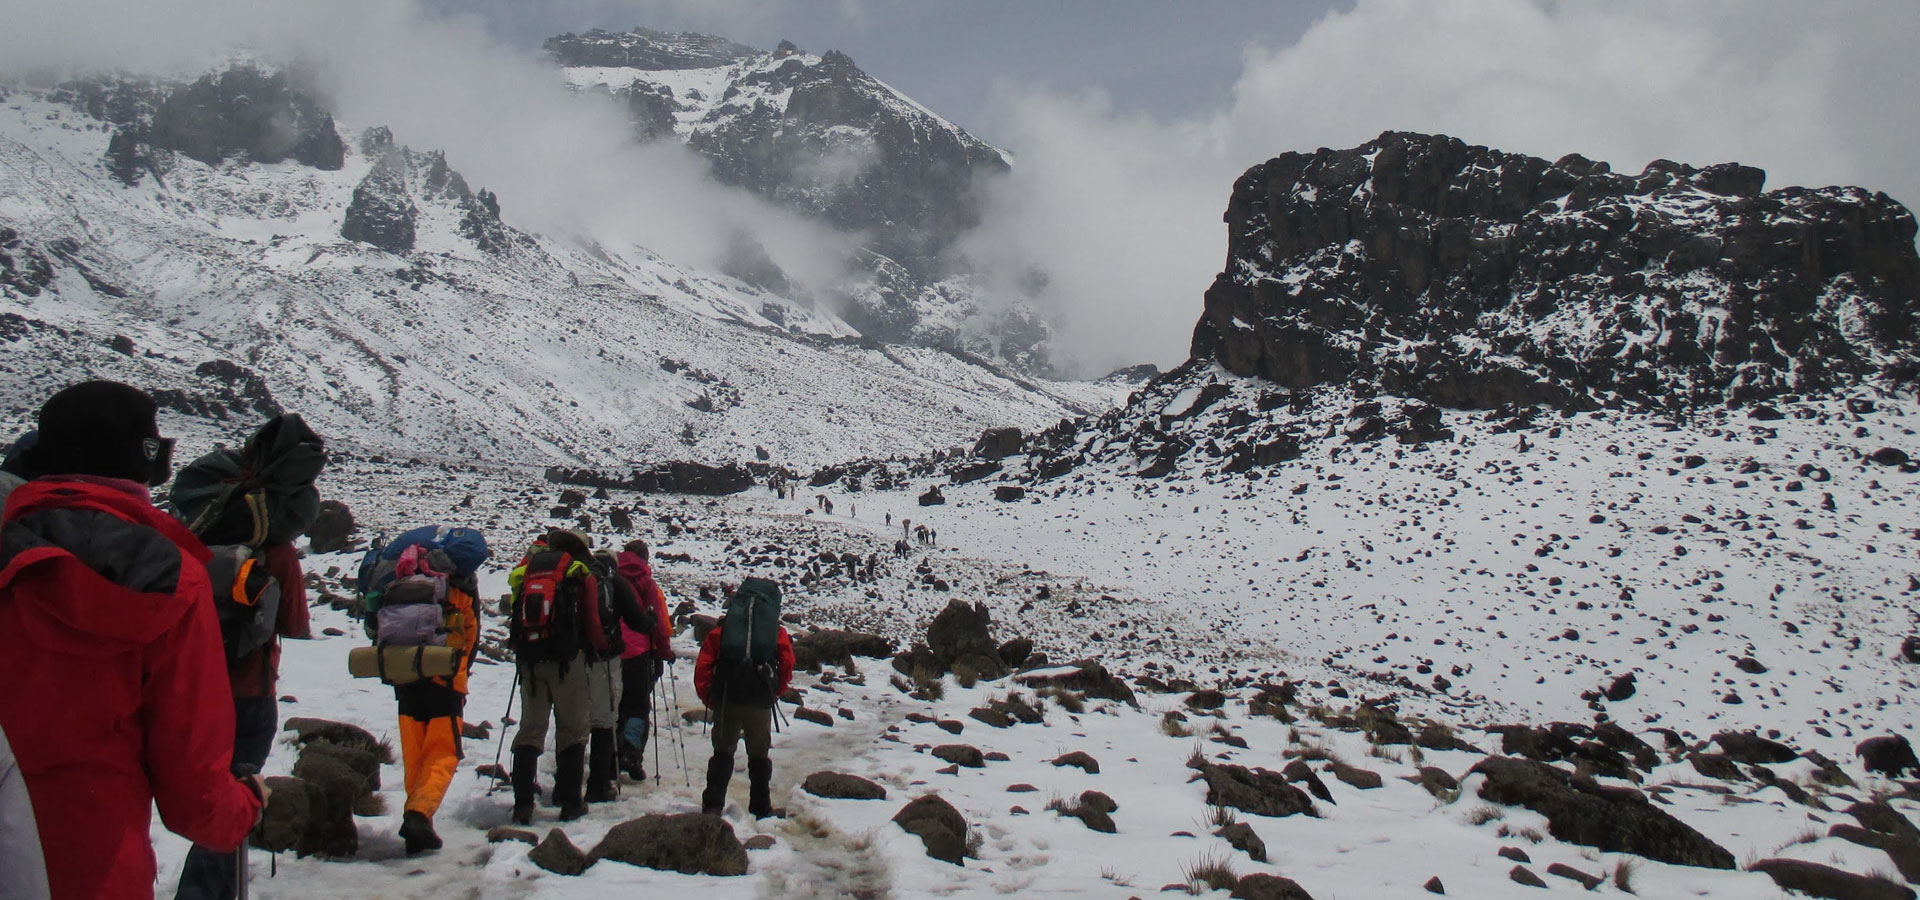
(640, 662)
(744, 666)
(23, 868)
(117, 698)
(419, 591)
(248, 507)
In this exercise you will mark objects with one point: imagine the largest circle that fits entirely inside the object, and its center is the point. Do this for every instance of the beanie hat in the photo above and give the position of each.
(100, 428)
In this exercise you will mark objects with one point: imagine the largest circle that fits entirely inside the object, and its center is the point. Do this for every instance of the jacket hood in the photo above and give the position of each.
(632, 566)
(96, 568)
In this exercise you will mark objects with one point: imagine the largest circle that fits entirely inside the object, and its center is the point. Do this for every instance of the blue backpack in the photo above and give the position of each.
(466, 548)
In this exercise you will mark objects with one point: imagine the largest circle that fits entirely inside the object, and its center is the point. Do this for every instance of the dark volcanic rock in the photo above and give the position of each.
(837, 647)
(1616, 820)
(1752, 749)
(1369, 263)
(939, 826)
(840, 786)
(558, 855)
(1085, 676)
(1257, 791)
(676, 477)
(329, 531)
(1261, 886)
(382, 212)
(1889, 755)
(961, 636)
(688, 843)
(265, 116)
(1816, 880)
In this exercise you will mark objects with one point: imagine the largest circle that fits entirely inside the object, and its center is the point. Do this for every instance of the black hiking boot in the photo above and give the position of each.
(569, 767)
(600, 770)
(760, 790)
(417, 830)
(633, 762)
(525, 761)
(719, 772)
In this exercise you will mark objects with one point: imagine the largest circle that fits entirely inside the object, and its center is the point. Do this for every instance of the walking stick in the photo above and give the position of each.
(241, 873)
(679, 738)
(512, 691)
(653, 723)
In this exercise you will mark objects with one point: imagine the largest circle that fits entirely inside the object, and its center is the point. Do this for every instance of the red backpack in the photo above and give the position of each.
(556, 614)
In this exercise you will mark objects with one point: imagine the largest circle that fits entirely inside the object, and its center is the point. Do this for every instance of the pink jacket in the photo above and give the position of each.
(660, 642)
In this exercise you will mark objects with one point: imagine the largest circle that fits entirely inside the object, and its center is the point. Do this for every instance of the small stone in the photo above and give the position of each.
(1516, 854)
(1022, 788)
(817, 717)
(558, 855)
(502, 833)
(1586, 879)
(1079, 759)
(1434, 886)
(961, 755)
(758, 842)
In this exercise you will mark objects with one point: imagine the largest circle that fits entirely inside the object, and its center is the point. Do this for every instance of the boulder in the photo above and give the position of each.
(1079, 759)
(837, 647)
(1241, 837)
(939, 826)
(1524, 875)
(1207, 699)
(500, 834)
(1363, 779)
(331, 528)
(1615, 820)
(1877, 816)
(932, 497)
(307, 730)
(688, 843)
(1816, 880)
(998, 443)
(841, 786)
(961, 640)
(1715, 765)
(1016, 652)
(965, 755)
(1009, 493)
(1587, 880)
(1889, 755)
(1752, 749)
(1256, 791)
(1261, 886)
(558, 855)
(1086, 677)
(1298, 772)
(287, 818)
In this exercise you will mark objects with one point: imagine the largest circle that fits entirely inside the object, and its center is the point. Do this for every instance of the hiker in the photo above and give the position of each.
(201, 496)
(560, 636)
(436, 606)
(624, 610)
(744, 666)
(117, 699)
(23, 869)
(641, 661)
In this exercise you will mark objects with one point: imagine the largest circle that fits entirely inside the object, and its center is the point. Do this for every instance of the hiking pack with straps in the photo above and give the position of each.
(750, 631)
(414, 613)
(556, 610)
(238, 502)
(465, 548)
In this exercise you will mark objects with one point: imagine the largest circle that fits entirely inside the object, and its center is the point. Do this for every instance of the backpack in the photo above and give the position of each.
(261, 494)
(413, 608)
(245, 598)
(465, 549)
(750, 631)
(556, 612)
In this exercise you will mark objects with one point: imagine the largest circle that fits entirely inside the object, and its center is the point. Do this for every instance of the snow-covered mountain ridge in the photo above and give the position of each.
(817, 134)
(442, 332)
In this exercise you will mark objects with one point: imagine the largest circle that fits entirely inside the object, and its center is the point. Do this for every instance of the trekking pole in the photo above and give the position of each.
(512, 691)
(241, 873)
(653, 727)
(679, 738)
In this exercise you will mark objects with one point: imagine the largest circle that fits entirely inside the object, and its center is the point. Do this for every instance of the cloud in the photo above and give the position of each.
(1122, 212)
(563, 165)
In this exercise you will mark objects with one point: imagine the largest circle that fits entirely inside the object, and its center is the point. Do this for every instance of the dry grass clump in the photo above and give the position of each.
(1214, 871)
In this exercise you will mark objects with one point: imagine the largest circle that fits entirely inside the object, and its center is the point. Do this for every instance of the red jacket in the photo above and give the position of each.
(116, 694)
(258, 675)
(704, 676)
(659, 641)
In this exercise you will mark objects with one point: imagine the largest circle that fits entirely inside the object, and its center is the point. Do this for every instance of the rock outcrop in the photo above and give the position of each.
(1472, 278)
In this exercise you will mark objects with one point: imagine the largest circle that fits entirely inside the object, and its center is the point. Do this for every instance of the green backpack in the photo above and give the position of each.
(262, 494)
(750, 632)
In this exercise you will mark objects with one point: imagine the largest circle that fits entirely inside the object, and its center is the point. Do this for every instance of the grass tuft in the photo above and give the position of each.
(1482, 814)
(1214, 871)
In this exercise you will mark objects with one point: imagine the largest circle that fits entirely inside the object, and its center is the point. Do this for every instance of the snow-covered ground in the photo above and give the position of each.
(1348, 570)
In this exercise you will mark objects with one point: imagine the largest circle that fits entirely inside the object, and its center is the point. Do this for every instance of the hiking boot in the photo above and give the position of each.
(719, 772)
(633, 763)
(600, 769)
(569, 768)
(525, 761)
(417, 830)
(760, 790)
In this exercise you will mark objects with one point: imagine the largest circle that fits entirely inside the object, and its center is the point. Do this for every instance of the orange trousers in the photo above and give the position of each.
(430, 720)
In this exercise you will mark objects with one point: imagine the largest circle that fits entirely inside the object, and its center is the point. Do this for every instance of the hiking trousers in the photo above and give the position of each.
(603, 694)
(430, 720)
(637, 677)
(551, 689)
(733, 721)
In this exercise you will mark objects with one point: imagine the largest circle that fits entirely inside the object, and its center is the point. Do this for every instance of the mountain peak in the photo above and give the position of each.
(648, 50)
